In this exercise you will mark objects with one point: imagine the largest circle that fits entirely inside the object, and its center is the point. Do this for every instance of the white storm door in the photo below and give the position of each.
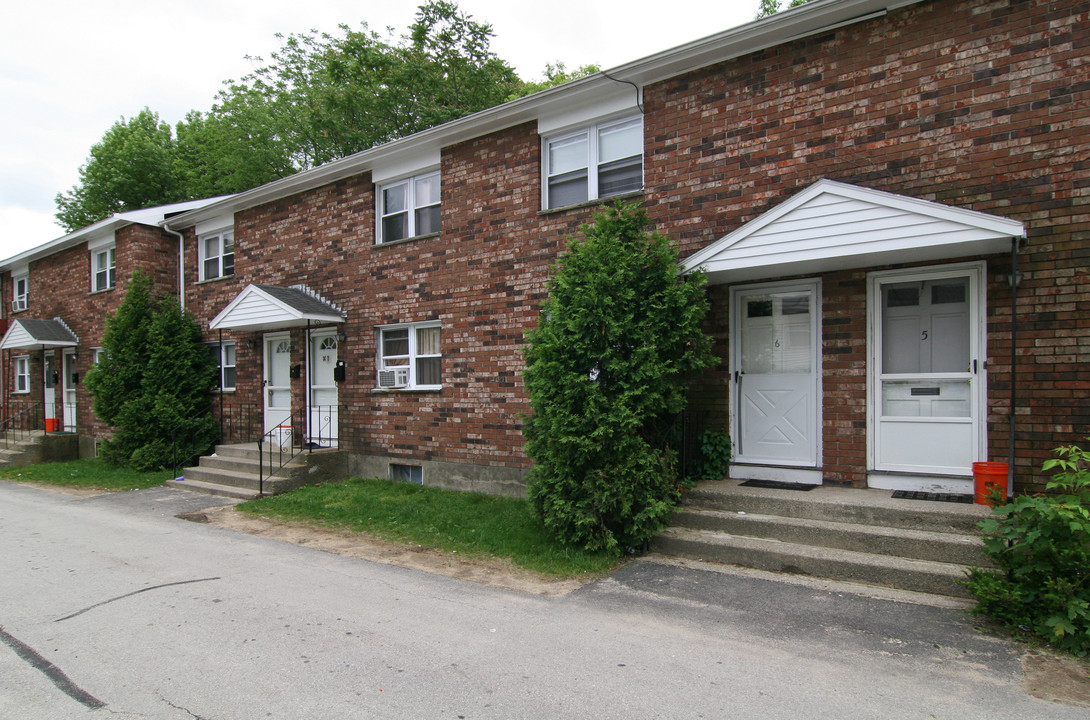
(323, 421)
(50, 393)
(928, 374)
(277, 379)
(68, 390)
(776, 375)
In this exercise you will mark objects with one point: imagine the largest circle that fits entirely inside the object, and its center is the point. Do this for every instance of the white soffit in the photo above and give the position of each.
(397, 168)
(101, 241)
(835, 226)
(220, 222)
(263, 307)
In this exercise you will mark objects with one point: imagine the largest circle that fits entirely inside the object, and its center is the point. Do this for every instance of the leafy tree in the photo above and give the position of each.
(554, 75)
(132, 167)
(771, 7)
(152, 381)
(607, 370)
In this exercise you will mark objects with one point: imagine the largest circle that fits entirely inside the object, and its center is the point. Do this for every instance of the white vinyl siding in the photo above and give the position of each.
(596, 162)
(408, 208)
(217, 254)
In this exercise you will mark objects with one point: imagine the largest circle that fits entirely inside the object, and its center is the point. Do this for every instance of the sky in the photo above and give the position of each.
(70, 69)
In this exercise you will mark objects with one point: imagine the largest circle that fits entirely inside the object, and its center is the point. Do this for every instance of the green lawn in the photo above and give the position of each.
(88, 473)
(470, 523)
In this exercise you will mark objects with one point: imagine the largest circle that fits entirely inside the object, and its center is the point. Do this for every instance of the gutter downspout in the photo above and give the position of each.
(181, 264)
(1015, 280)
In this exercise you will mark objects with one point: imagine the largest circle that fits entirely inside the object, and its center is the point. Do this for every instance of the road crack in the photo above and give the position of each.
(51, 671)
(134, 592)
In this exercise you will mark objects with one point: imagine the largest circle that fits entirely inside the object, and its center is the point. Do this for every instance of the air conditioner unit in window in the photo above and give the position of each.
(394, 378)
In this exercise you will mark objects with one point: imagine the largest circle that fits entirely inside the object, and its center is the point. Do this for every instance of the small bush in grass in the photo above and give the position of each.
(1041, 545)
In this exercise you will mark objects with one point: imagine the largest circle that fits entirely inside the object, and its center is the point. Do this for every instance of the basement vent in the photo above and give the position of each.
(407, 473)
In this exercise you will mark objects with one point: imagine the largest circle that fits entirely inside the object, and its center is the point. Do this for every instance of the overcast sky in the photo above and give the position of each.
(69, 69)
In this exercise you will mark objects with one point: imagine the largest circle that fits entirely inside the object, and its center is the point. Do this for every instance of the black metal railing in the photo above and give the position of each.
(20, 422)
(684, 438)
(279, 446)
(239, 422)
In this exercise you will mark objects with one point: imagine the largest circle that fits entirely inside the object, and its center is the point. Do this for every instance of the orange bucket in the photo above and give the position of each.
(52, 425)
(989, 476)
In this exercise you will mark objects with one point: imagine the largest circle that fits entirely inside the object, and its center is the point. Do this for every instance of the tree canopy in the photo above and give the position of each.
(318, 98)
(771, 7)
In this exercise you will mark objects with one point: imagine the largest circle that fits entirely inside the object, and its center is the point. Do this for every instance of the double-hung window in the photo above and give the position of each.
(223, 355)
(217, 254)
(21, 293)
(22, 374)
(102, 269)
(410, 356)
(408, 208)
(595, 162)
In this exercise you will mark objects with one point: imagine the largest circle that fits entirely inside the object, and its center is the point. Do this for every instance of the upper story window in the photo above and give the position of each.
(21, 293)
(217, 254)
(594, 162)
(22, 374)
(410, 356)
(102, 269)
(408, 208)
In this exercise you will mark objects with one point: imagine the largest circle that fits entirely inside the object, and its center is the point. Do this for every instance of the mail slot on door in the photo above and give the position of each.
(924, 391)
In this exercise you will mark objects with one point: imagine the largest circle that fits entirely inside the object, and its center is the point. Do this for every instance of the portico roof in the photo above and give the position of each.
(268, 307)
(835, 226)
(36, 334)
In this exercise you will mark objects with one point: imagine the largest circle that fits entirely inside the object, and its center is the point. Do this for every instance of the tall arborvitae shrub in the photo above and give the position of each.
(152, 383)
(607, 370)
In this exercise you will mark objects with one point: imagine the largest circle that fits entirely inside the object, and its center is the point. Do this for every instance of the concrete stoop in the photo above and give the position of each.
(233, 471)
(22, 451)
(859, 536)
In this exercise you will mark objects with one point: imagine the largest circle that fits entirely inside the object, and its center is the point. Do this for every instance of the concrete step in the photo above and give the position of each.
(839, 504)
(861, 567)
(956, 548)
(245, 480)
(210, 488)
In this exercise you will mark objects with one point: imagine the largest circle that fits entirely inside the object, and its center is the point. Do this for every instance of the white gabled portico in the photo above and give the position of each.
(925, 332)
(274, 311)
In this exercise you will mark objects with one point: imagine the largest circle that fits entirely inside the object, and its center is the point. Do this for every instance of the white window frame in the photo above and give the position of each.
(412, 205)
(20, 300)
(96, 355)
(22, 375)
(222, 364)
(590, 134)
(412, 357)
(107, 272)
(204, 257)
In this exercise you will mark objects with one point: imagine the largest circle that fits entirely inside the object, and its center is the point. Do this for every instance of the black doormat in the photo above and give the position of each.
(777, 485)
(934, 497)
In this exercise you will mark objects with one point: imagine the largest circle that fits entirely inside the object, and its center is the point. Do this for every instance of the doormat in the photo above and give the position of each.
(934, 497)
(777, 485)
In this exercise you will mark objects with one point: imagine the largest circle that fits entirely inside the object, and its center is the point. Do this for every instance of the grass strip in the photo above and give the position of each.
(469, 523)
(90, 473)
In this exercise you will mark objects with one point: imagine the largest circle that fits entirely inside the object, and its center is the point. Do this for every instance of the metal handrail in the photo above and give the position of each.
(17, 428)
(275, 439)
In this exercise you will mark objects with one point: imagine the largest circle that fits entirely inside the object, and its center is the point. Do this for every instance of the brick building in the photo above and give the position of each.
(861, 179)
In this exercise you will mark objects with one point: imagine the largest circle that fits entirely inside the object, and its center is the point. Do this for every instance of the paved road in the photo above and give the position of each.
(112, 607)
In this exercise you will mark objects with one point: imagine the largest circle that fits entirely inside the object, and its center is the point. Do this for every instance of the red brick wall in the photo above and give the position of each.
(984, 106)
(60, 286)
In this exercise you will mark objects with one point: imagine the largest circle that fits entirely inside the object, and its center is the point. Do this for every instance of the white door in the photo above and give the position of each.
(323, 389)
(927, 349)
(776, 374)
(277, 380)
(68, 390)
(49, 382)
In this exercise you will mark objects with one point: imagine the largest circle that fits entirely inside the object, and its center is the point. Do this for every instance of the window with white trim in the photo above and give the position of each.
(224, 358)
(217, 254)
(595, 162)
(21, 294)
(96, 355)
(102, 269)
(22, 374)
(410, 356)
(408, 208)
